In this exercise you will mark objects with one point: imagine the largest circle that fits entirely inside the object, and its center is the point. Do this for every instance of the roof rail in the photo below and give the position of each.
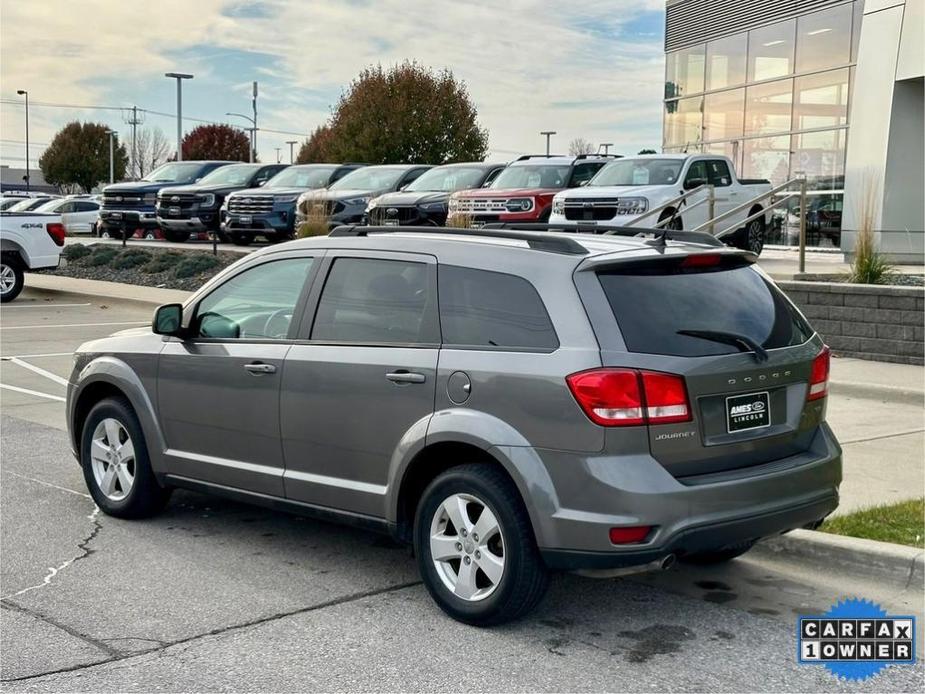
(595, 155)
(605, 230)
(538, 242)
(524, 157)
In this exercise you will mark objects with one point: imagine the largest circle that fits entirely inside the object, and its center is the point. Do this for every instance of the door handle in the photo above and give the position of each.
(258, 368)
(405, 377)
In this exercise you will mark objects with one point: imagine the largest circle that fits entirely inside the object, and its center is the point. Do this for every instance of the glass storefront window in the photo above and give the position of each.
(723, 113)
(824, 39)
(768, 108)
(856, 28)
(820, 156)
(770, 51)
(683, 121)
(726, 61)
(684, 72)
(767, 157)
(821, 100)
(732, 149)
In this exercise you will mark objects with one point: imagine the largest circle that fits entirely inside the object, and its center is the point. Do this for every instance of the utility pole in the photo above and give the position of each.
(252, 131)
(254, 137)
(548, 134)
(112, 159)
(23, 92)
(277, 155)
(179, 77)
(606, 146)
(291, 143)
(134, 120)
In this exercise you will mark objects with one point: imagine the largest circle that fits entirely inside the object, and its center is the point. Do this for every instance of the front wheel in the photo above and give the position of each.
(175, 236)
(675, 222)
(239, 239)
(12, 277)
(475, 547)
(116, 466)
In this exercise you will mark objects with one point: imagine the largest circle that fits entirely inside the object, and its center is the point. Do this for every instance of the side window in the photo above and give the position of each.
(584, 173)
(696, 174)
(257, 303)
(479, 308)
(339, 173)
(376, 301)
(66, 208)
(87, 206)
(411, 175)
(491, 177)
(718, 172)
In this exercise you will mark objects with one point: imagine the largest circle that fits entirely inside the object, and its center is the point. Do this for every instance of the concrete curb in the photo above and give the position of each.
(898, 565)
(116, 291)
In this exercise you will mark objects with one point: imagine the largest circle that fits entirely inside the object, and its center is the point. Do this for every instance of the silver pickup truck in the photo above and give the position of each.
(28, 241)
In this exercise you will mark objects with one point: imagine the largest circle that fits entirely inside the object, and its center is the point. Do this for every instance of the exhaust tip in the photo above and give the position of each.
(668, 562)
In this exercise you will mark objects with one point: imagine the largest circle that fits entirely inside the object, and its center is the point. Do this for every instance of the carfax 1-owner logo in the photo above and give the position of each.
(856, 639)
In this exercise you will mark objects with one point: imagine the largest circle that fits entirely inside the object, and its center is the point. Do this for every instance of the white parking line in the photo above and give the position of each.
(35, 356)
(73, 325)
(7, 308)
(41, 372)
(32, 392)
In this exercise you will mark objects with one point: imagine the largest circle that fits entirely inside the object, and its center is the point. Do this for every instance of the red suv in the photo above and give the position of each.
(523, 192)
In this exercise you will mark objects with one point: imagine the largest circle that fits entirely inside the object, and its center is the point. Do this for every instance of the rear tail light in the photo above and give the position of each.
(819, 375)
(629, 535)
(629, 397)
(57, 232)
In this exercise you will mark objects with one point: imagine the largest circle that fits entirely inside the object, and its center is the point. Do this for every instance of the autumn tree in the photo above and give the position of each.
(149, 150)
(315, 148)
(79, 156)
(401, 115)
(216, 142)
(580, 146)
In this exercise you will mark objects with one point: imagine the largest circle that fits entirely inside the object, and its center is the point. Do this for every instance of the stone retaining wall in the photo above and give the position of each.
(867, 321)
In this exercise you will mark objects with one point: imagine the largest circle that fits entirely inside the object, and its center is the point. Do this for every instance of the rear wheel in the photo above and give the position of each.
(12, 277)
(751, 238)
(719, 556)
(240, 239)
(174, 235)
(475, 547)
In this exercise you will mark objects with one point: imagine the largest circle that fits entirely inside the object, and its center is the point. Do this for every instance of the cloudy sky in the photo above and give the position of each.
(585, 68)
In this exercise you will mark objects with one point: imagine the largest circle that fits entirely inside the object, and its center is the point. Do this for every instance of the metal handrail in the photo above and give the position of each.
(745, 205)
(674, 202)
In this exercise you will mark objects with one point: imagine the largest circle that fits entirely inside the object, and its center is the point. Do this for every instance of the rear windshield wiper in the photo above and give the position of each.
(743, 342)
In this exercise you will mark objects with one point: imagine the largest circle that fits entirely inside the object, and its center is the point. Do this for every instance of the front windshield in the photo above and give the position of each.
(234, 175)
(533, 176)
(28, 205)
(51, 206)
(639, 172)
(370, 178)
(446, 179)
(301, 177)
(174, 173)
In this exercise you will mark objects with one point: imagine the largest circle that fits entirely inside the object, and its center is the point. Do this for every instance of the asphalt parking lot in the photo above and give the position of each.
(216, 595)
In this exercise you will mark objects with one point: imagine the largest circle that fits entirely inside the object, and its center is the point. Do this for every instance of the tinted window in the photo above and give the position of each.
(584, 172)
(378, 301)
(718, 171)
(479, 308)
(697, 172)
(653, 302)
(257, 303)
(87, 206)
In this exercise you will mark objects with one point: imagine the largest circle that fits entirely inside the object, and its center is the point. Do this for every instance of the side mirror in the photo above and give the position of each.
(168, 320)
(692, 183)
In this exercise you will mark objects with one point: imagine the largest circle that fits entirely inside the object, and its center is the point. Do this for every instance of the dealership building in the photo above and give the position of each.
(828, 90)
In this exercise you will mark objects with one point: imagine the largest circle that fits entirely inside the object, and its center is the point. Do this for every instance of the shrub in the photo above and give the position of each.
(162, 262)
(195, 265)
(130, 258)
(460, 220)
(75, 251)
(869, 266)
(101, 255)
(316, 214)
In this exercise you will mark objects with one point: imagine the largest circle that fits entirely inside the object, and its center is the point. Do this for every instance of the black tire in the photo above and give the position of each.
(12, 273)
(676, 224)
(146, 497)
(241, 239)
(279, 238)
(114, 234)
(719, 556)
(751, 237)
(222, 237)
(175, 236)
(524, 579)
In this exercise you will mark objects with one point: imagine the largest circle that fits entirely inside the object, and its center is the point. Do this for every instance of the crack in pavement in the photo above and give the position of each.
(22, 609)
(120, 655)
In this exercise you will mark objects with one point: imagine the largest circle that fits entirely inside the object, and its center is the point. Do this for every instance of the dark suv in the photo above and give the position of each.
(128, 207)
(194, 208)
(509, 402)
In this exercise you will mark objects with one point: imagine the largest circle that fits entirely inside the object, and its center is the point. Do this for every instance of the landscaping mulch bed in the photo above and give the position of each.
(168, 268)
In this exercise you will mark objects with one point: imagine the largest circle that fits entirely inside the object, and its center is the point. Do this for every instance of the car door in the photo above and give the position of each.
(218, 390)
(361, 376)
(696, 176)
(81, 220)
(726, 195)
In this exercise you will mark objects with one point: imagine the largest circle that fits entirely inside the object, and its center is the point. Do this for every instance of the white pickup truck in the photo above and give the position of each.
(622, 192)
(28, 241)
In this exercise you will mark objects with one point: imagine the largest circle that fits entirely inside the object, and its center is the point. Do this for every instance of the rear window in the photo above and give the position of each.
(480, 308)
(652, 302)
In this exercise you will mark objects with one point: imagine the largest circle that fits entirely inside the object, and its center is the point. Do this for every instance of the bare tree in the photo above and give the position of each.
(150, 150)
(580, 146)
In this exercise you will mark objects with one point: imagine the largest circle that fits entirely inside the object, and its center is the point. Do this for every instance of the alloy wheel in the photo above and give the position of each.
(755, 236)
(7, 278)
(467, 547)
(112, 457)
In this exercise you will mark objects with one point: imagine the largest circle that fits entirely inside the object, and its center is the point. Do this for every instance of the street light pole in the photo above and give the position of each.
(179, 77)
(548, 134)
(291, 143)
(251, 130)
(23, 92)
(112, 160)
(254, 121)
(606, 146)
(277, 154)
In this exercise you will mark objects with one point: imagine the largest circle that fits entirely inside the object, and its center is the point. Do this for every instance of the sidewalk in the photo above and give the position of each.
(783, 263)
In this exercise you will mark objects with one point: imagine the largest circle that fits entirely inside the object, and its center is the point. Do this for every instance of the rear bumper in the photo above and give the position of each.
(589, 494)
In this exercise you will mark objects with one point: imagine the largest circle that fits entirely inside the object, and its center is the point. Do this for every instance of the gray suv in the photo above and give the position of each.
(508, 402)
